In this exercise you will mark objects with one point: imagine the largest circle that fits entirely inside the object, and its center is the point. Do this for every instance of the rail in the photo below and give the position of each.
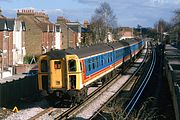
(41, 113)
(138, 93)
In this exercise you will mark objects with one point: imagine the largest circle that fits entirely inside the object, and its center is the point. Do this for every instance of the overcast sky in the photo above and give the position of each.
(128, 12)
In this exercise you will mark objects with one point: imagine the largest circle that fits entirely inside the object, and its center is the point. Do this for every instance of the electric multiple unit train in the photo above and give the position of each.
(69, 72)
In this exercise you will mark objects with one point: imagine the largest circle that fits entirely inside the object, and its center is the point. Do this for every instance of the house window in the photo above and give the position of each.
(57, 28)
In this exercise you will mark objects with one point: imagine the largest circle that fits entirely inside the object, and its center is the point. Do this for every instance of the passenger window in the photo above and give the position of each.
(89, 67)
(72, 65)
(57, 65)
(97, 64)
(93, 66)
(44, 67)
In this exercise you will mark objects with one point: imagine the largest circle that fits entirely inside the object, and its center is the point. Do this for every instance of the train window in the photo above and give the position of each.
(97, 64)
(89, 67)
(105, 59)
(93, 59)
(102, 62)
(57, 65)
(80, 65)
(44, 65)
(111, 58)
(72, 79)
(96, 58)
(93, 66)
(72, 65)
(89, 60)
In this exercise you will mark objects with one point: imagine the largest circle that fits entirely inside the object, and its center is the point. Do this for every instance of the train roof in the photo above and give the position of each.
(90, 50)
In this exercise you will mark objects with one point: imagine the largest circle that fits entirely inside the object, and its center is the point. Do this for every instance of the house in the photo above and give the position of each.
(12, 48)
(126, 32)
(71, 33)
(86, 36)
(40, 32)
(58, 37)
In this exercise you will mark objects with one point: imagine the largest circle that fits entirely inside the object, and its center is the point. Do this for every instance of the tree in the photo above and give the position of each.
(161, 26)
(175, 30)
(102, 22)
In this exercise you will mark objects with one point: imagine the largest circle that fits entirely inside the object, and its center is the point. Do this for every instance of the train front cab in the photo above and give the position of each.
(51, 74)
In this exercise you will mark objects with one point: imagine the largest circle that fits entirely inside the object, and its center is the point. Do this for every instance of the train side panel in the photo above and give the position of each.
(97, 66)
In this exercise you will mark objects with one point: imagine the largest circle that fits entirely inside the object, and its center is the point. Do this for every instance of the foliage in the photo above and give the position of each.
(175, 28)
(161, 27)
(30, 59)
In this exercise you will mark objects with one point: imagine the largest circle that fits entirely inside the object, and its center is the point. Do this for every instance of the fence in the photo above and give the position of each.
(11, 92)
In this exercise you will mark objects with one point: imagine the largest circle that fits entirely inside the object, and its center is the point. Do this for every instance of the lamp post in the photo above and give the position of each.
(2, 53)
(2, 63)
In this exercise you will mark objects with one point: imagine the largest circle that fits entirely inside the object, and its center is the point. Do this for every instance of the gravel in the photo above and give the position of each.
(29, 111)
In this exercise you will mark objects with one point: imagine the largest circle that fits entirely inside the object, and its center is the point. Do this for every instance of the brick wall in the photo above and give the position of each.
(39, 32)
(69, 37)
(10, 47)
(33, 36)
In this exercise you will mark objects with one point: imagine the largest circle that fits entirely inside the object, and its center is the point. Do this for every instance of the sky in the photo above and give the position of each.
(129, 13)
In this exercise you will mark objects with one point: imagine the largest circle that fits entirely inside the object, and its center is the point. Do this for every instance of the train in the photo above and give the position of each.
(69, 72)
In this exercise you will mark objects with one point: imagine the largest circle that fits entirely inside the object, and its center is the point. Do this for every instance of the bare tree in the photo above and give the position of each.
(176, 26)
(102, 22)
(161, 26)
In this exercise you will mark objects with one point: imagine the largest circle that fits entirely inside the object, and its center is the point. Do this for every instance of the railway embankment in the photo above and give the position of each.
(172, 72)
(156, 101)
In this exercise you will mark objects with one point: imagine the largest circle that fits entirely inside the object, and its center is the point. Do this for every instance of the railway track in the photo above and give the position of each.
(46, 111)
(141, 88)
(95, 101)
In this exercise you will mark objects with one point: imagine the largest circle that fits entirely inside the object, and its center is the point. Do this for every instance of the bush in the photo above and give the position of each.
(30, 59)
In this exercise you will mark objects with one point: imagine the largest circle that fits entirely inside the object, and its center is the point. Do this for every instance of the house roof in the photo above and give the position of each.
(75, 26)
(45, 26)
(2, 23)
(10, 24)
(38, 18)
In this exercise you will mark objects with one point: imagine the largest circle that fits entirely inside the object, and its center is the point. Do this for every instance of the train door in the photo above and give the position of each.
(56, 76)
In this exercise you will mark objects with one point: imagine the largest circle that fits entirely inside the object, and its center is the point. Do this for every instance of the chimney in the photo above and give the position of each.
(61, 20)
(25, 12)
(86, 23)
(0, 12)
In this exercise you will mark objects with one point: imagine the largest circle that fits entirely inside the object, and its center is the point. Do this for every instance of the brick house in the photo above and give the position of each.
(86, 34)
(41, 34)
(126, 32)
(71, 33)
(12, 35)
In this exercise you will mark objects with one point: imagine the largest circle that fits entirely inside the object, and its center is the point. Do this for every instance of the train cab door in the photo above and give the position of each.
(56, 74)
